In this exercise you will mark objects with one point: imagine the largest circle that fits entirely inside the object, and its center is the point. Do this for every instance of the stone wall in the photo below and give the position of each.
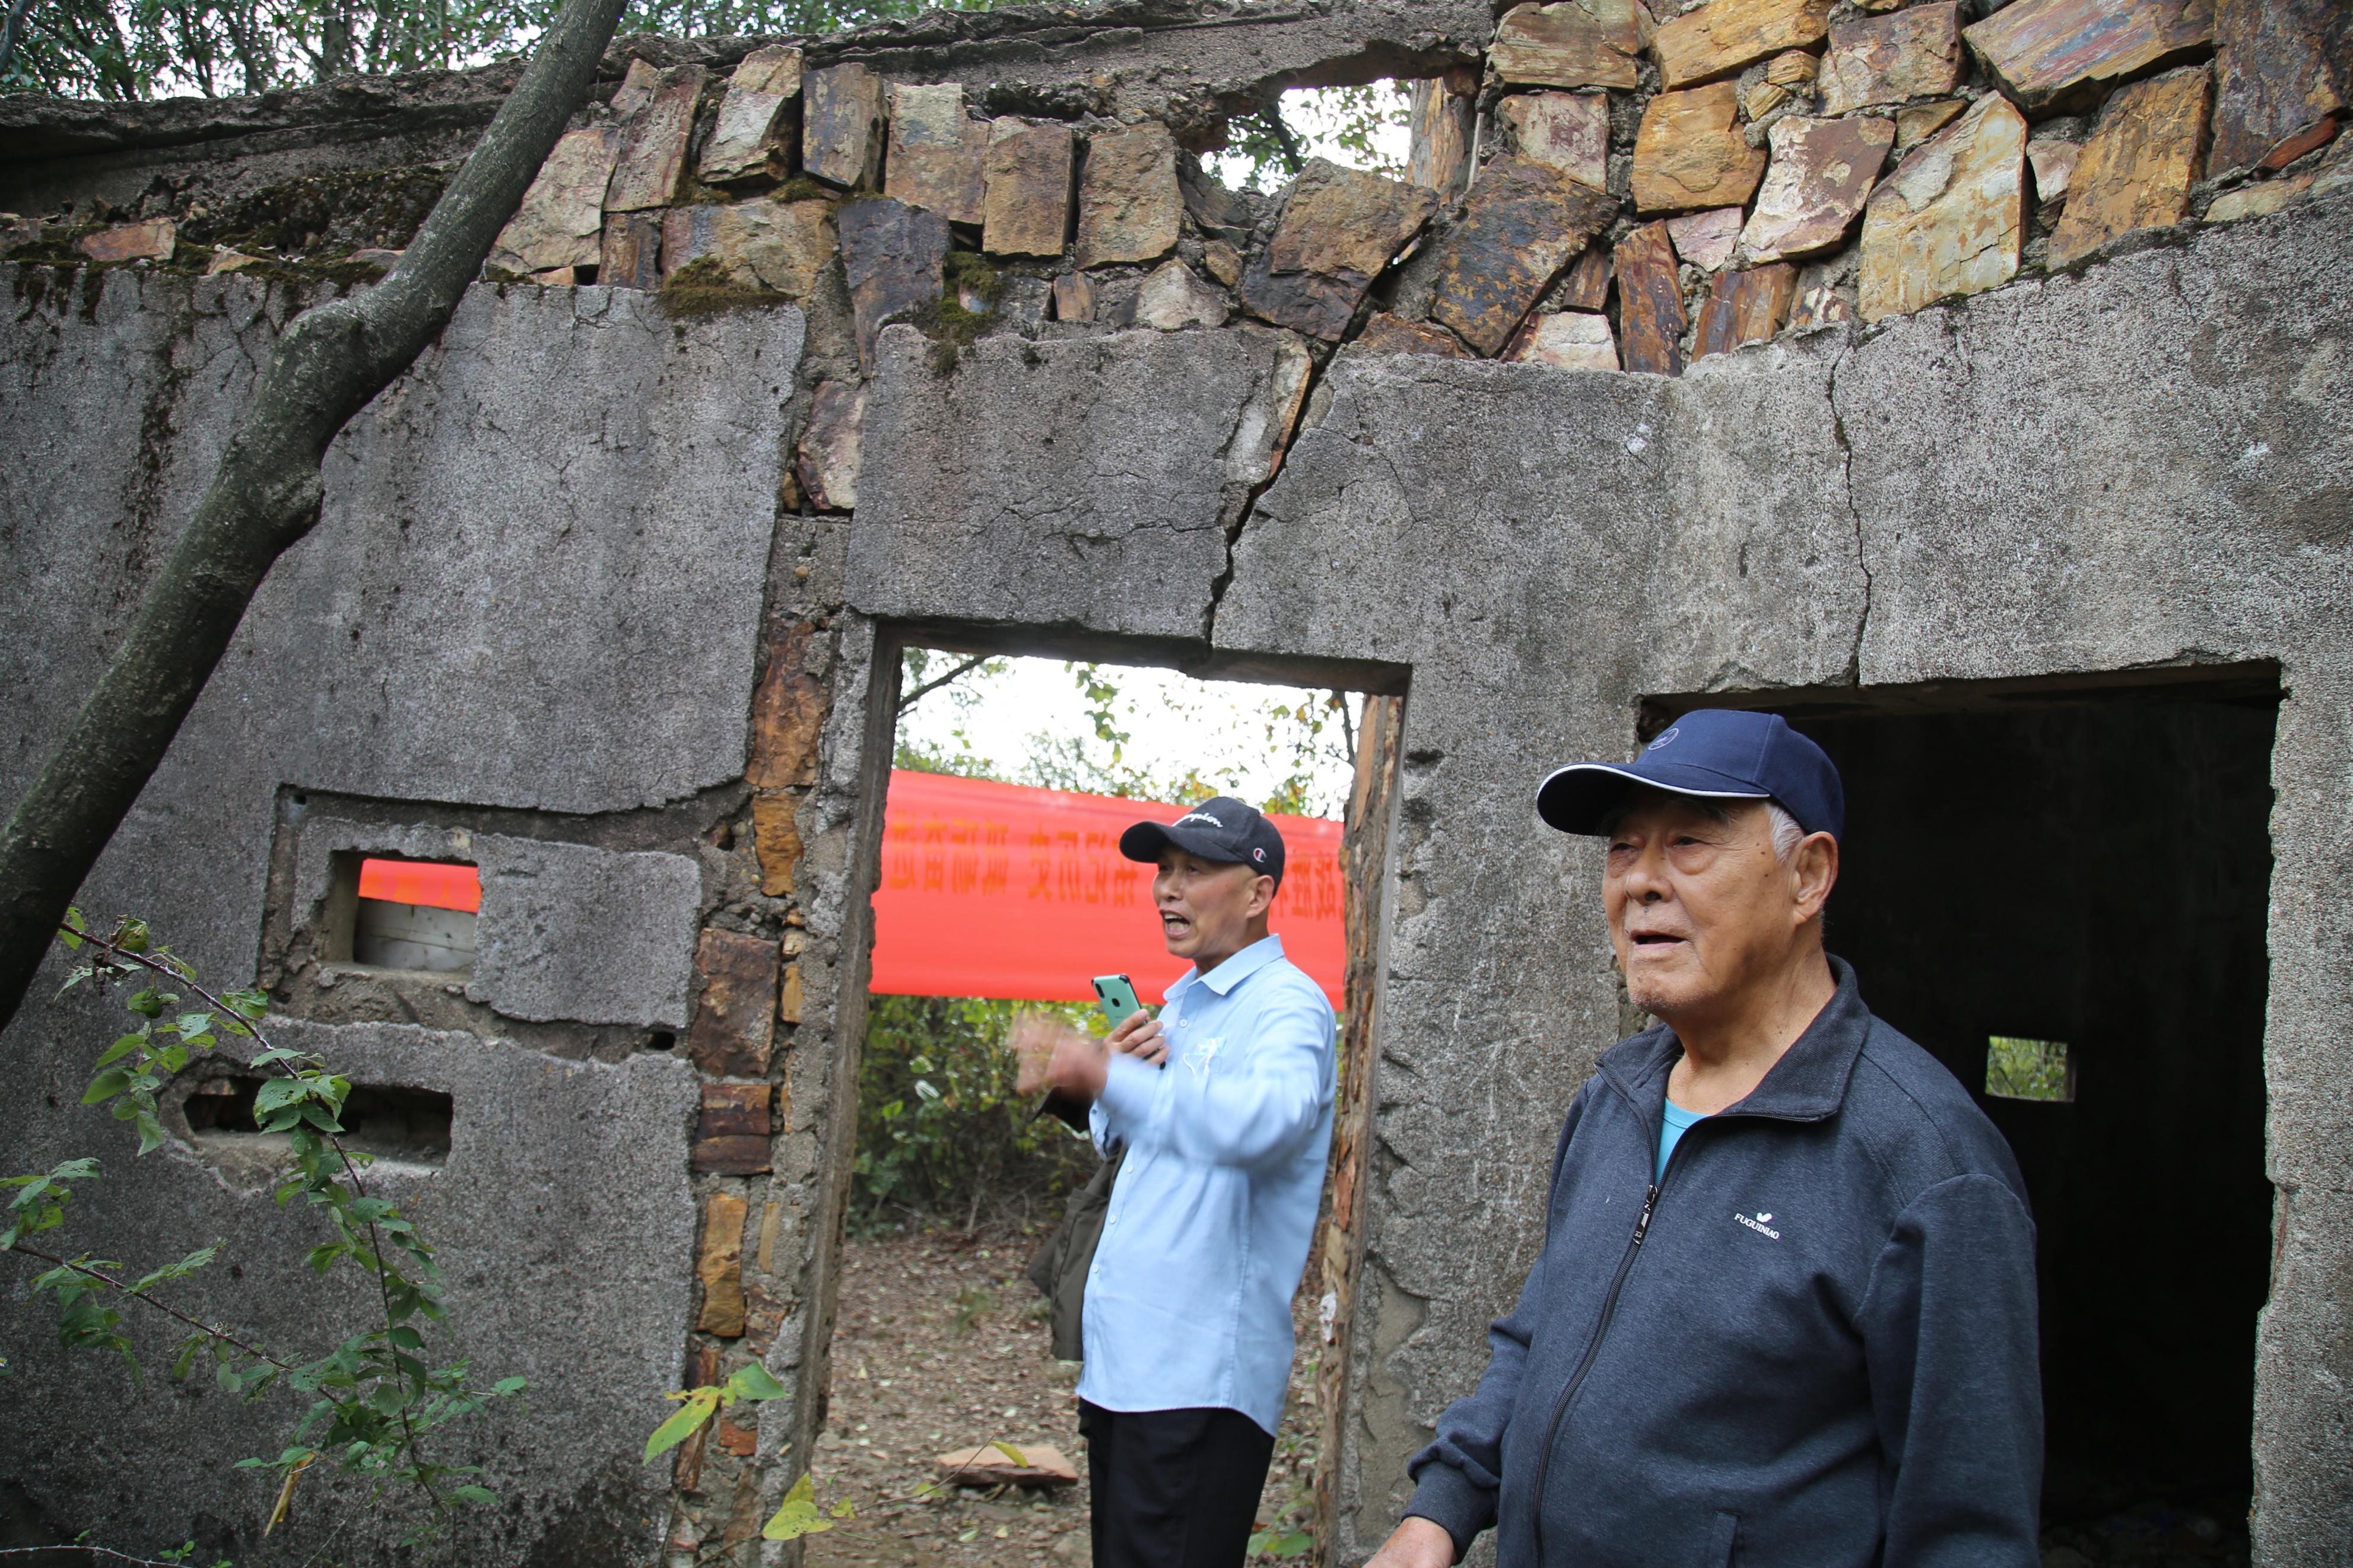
(610, 592)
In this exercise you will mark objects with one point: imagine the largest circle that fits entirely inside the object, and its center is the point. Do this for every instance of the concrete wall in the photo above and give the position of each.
(2139, 466)
(553, 567)
(524, 632)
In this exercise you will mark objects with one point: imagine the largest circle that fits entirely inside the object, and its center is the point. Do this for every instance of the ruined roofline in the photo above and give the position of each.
(1220, 52)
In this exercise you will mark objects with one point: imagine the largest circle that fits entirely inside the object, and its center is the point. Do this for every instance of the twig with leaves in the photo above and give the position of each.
(375, 1395)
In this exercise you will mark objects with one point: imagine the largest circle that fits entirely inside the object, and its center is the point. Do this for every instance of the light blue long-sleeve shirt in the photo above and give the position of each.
(1188, 1302)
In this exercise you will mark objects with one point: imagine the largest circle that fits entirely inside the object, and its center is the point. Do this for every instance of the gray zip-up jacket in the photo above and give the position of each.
(1811, 1343)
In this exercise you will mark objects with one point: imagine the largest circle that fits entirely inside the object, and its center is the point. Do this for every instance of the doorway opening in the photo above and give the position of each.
(1000, 894)
(2062, 891)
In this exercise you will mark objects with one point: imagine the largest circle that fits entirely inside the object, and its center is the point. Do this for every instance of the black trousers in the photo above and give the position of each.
(1173, 1489)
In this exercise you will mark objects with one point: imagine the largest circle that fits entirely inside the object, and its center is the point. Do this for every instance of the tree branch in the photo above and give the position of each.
(265, 496)
(111, 1282)
(928, 686)
(9, 30)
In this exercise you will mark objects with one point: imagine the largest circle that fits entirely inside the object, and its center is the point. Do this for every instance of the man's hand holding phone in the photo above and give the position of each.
(1139, 1036)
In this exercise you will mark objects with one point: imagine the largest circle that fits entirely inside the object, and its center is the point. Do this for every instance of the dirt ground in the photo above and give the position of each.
(942, 1346)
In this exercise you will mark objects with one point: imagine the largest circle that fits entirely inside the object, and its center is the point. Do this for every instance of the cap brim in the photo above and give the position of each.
(1145, 841)
(1579, 798)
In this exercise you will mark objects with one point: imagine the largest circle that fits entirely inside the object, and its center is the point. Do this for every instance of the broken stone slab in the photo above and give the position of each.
(1304, 301)
(2264, 197)
(1441, 119)
(734, 1020)
(1921, 120)
(1691, 154)
(1344, 223)
(1340, 229)
(1821, 175)
(561, 221)
(1567, 340)
(637, 90)
(1746, 307)
(991, 1465)
(149, 240)
(1129, 204)
(936, 153)
(2053, 162)
(630, 255)
(1825, 292)
(1569, 130)
(895, 258)
(1907, 54)
(777, 838)
(2281, 89)
(2137, 170)
(1388, 334)
(842, 132)
(762, 244)
(1172, 298)
(2060, 54)
(719, 1265)
(830, 446)
(1026, 188)
(1574, 43)
(1949, 220)
(1586, 287)
(736, 1110)
(1706, 239)
(1727, 36)
(1224, 262)
(787, 712)
(1074, 298)
(226, 260)
(653, 145)
(749, 141)
(1651, 318)
(1522, 222)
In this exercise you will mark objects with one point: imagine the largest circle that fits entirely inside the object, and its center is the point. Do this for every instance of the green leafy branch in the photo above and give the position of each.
(375, 1395)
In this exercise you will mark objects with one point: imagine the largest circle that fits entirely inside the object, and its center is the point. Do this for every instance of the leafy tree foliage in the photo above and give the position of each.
(130, 49)
(1310, 736)
(942, 1129)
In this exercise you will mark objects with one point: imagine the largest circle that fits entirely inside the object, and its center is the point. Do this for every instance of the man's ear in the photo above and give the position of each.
(1262, 895)
(1813, 872)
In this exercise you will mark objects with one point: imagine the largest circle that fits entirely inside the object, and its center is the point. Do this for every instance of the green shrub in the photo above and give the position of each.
(942, 1133)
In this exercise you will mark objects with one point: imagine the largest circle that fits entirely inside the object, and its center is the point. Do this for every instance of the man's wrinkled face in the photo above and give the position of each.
(1206, 906)
(1699, 907)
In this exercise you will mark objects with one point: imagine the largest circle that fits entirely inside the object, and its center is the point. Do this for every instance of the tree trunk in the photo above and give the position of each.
(265, 496)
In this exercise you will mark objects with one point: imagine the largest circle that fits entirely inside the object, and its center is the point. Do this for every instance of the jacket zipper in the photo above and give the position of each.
(1569, 1391)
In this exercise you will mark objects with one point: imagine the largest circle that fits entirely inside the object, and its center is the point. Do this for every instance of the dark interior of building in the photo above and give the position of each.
(2095, 872)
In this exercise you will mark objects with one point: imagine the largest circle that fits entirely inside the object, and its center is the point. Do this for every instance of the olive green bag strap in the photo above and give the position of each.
(1059, 1269)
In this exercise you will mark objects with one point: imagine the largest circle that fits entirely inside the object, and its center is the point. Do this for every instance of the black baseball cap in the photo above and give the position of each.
(1716, 753)
(1219, 828)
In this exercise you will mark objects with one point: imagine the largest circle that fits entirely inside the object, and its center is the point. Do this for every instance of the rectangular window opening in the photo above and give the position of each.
(395, 1123)
(2021, 1068)
(414, 914)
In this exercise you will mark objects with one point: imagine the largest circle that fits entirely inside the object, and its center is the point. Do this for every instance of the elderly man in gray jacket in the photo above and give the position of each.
(1785, 1312)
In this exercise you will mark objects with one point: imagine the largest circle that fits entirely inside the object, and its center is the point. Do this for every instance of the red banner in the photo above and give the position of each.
(993, 889)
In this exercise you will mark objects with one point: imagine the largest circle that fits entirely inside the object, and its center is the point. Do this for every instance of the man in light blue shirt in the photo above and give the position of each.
(1224, 1104)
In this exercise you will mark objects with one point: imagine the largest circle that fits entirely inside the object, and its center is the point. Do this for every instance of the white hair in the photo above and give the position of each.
(1786, 834)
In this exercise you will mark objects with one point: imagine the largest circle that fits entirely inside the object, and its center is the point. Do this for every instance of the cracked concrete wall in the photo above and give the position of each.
(524, 631)
(552, 568)
(2141, 466)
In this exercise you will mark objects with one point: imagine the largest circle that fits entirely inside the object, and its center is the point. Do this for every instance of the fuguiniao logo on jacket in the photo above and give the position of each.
(1761, 1223)
(1201, 1053)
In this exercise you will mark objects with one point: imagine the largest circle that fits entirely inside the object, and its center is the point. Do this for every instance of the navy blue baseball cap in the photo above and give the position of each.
(1219, 828)
(1716, 753)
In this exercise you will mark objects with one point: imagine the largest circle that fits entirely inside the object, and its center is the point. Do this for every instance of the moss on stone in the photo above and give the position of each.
(704, 287)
